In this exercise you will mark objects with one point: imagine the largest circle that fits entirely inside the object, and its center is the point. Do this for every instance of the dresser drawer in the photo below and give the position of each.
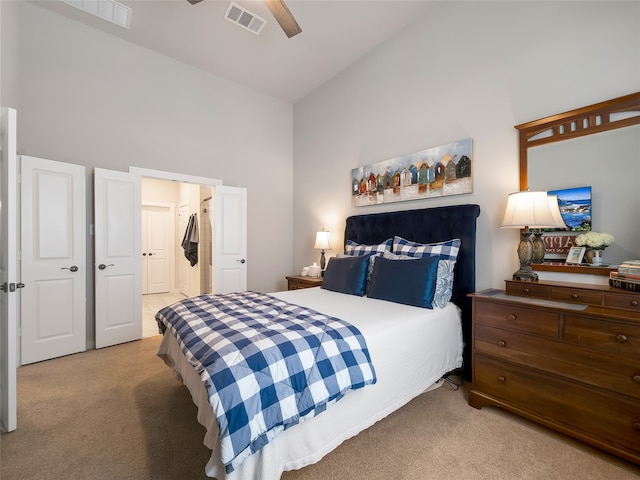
(568, 406)
(568, 294)
(517, 317)
(295, 285)
(626, 301)
(528, 289)
(615, 373)
(572, 293)
(298, 282)
(606, 336)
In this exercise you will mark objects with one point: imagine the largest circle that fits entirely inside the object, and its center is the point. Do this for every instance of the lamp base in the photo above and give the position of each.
(539, 250)
(525, 274)
(525, 253)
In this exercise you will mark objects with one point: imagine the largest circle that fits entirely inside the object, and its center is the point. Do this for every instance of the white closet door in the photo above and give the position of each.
(53, 269)
(144, 233)
(118, 284)
(229, 221)
(9, 312)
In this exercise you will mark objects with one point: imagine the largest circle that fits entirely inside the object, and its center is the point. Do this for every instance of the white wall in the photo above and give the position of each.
(86, 97)
(467, 69)
(157, 190)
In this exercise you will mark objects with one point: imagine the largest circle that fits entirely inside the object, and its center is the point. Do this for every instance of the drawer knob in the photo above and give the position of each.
(636, 378)
(526, 290)
(622, 338)
(511, 316)
(502, 379)
(502, 343)
(634, 303)
(574, 296)
(636, 426)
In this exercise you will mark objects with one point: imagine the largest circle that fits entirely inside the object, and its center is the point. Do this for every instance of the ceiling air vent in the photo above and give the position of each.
(244, 18)
(108, 10)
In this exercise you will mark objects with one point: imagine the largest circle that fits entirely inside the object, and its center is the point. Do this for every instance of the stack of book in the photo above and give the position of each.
(627, 276)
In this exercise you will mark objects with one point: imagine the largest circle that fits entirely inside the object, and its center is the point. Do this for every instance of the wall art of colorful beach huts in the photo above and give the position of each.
(434, 172)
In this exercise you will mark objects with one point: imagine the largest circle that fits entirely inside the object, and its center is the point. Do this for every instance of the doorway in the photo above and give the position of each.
(151, 303)
(176, 278)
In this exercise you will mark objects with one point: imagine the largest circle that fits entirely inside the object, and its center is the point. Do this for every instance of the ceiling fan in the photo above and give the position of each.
(281, 13)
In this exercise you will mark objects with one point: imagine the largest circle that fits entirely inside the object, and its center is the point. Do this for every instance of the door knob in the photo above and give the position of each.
(102, 266)
(144, 254)
(73, 268)
(10, 287)
(241, 260)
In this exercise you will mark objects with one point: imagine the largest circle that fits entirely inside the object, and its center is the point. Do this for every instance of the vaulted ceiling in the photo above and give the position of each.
(335, 34)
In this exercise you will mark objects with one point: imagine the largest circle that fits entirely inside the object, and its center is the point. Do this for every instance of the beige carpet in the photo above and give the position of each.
(118, 413)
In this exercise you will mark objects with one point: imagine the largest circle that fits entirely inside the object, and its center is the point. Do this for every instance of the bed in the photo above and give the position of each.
(411, 348)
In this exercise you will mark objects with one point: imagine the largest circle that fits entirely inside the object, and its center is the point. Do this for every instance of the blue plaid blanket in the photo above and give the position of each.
(266, 364)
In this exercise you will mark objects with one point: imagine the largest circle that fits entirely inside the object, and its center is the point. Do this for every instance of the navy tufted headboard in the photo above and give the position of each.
(429, 225)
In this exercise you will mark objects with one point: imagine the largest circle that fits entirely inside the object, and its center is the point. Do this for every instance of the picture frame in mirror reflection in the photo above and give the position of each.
(576, 254)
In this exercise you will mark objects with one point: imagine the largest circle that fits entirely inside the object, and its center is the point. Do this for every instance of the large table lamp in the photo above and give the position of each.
(539, 249)
(322, 244)
(526, 210)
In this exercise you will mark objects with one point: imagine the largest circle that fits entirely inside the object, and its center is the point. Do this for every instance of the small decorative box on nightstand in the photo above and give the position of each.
(298, 281)
(566, 355)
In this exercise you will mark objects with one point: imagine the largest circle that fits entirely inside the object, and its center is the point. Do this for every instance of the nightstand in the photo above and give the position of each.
(296, 282)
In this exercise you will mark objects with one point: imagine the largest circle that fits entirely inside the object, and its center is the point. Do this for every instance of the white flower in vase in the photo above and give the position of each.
(595, 243)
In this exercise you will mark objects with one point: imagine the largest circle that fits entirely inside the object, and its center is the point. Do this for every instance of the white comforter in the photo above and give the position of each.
(411, 349)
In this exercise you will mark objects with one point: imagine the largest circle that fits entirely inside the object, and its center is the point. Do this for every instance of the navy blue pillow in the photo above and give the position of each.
(347, 275)
(410, 282)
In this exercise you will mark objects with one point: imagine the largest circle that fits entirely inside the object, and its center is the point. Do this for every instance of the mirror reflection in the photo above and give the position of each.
(609, 162)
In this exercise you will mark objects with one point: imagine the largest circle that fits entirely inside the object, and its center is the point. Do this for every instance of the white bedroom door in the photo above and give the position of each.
(53, 263)
(118, 282)
(229, 223)
(9, 312)
(157, 248)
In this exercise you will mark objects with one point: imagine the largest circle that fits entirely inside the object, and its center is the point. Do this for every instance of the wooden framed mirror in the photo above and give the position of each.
(597, 145)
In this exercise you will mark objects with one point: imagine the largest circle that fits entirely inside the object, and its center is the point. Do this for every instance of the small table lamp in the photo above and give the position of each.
(322, 243)
(527, 210)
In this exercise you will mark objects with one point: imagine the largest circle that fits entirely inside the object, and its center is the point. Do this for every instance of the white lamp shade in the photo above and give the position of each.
(322, 240)
(531, 209)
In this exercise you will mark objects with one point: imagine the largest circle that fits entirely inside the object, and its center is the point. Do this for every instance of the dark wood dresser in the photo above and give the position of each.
(565, 355)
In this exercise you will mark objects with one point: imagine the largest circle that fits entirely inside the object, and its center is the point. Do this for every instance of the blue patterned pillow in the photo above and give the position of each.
(353, 248)
(445, 250)
(408, 282)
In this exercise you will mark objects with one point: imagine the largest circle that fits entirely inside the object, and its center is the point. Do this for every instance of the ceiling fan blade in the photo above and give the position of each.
(283, 16)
